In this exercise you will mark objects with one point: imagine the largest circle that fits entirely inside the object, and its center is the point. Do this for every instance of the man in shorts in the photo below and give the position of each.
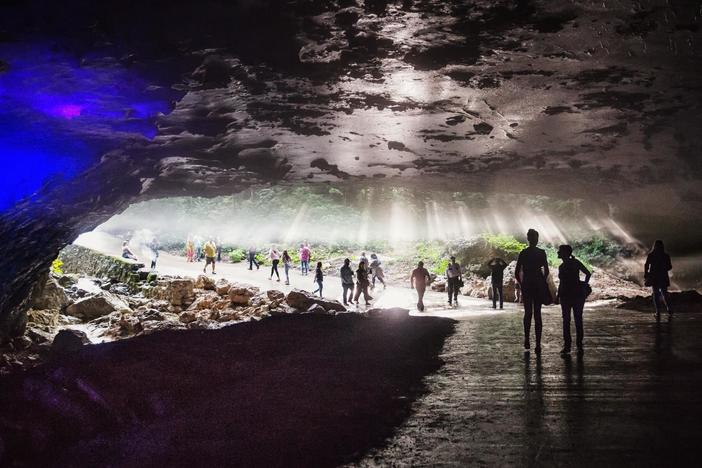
(210, 255)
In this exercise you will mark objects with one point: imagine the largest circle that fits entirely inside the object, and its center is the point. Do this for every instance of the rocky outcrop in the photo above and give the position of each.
(81, 260)
(178, 291)
(683, 301)
(68, 342)
(241, 295)
(205, 282)
(97, 305)
(303, 300)
(49, 294)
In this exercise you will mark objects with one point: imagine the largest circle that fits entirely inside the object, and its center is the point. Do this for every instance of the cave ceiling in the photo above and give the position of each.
(597, 100)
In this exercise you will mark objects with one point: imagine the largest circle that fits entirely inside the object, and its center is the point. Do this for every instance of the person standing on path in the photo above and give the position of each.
(304, 259)
(497, 267)
(531, 273)
(274, 255)
(362, 284)
(453, 278)
(419, 280)
(346, 274)
(189, 250)
(376, 271)
(252, 257)
(210, 250)
(287, 264)
(153, 252)
(656, 276)
(319, 279)
(571, 295)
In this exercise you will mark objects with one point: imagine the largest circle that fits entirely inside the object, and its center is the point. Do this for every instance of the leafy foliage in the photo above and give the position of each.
(504, 242)
(237, 255)
(57, 267)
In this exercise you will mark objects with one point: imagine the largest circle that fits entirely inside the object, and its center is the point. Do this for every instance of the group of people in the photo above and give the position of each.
(196, 250)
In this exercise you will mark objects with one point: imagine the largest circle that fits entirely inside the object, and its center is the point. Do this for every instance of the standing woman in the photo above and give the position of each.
(530, 273)
(274, 255)
(319, 279)
(362, 283)
(571, 295)
(287, 263)
(377, 271)
(189, 250)
(656, 271)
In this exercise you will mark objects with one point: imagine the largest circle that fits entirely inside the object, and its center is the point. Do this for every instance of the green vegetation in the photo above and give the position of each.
(57, 267)
(504, 243)
(237, 255)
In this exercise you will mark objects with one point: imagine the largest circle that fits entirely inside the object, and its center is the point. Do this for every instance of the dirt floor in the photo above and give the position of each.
(292, 391)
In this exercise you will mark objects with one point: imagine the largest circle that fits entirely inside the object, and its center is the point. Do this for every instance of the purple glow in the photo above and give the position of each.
(67, 111)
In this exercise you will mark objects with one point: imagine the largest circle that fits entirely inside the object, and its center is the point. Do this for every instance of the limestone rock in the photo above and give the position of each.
(43, 319)
(302, 300)
(49, 295)
(206, 301)
(78, 259)
(95, 306)
(240, 295)
(177, 291)
(222, 287)
(187, 316)
(275, 295)
(68, 341)
(205, 282)
(316, 309)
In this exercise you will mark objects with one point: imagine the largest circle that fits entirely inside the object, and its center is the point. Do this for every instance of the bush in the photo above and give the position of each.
(237, 255)
(439, 267)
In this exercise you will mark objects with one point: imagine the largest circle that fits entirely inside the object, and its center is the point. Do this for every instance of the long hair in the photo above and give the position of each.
(658, 247)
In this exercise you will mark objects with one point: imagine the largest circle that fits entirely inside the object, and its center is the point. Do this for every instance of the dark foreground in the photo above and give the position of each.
(634, 399)
(301, 390)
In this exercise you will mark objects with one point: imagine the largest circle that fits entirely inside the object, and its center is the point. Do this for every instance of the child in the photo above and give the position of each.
(319, 278)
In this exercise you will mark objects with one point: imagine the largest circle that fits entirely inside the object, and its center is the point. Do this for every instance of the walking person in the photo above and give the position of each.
(376, 271)
(362, 284)
(189, 250)
(210, 251)
(274, 255)
(656, 271)
(454, 280)
(497, 268)
(531, 272)
(252, 257)
(319, 279)
(287, 264)
(198, 248)
(304, 254)
(419, 280)
(218, 242)
(363, 258)
(571, 295)
(346, 274)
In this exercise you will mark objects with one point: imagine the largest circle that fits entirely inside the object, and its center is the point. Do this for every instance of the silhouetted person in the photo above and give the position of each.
(453, 279)
(497, 268)
(347, 281)
(419, 280)
(153, 252)
(218, 242)
(252, 257)
(362, 283)
(319, 279)
(656, 271)
(531, 272)
(376, 271)
(571, 295)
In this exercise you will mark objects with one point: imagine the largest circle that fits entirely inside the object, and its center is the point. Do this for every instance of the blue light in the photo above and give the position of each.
(58, 116)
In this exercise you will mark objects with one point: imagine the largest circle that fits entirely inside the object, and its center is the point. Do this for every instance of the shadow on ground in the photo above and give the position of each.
(299, 390)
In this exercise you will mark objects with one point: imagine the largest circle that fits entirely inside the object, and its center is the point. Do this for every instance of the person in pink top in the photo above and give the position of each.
(305, 255)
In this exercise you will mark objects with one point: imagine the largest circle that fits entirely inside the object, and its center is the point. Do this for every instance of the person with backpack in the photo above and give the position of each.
(572, 294)
(453, 280)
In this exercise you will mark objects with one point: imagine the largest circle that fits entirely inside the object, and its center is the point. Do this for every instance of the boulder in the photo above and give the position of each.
(683, 301)
(49, 295)
(98, 305)
(206, 301)
(68, 341)
(177, 291)
(302, 300)
(241, 295)
(222, 287)
(439, 285)
(205, 282)
(43, 319)
(38, 335)
(275, 295)
(187, 316)
(316, 309)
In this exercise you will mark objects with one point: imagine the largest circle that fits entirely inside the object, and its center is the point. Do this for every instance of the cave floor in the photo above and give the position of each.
(633, 399)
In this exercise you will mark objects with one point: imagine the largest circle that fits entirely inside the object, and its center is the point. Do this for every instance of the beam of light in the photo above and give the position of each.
(617, 231)
(295, 229)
